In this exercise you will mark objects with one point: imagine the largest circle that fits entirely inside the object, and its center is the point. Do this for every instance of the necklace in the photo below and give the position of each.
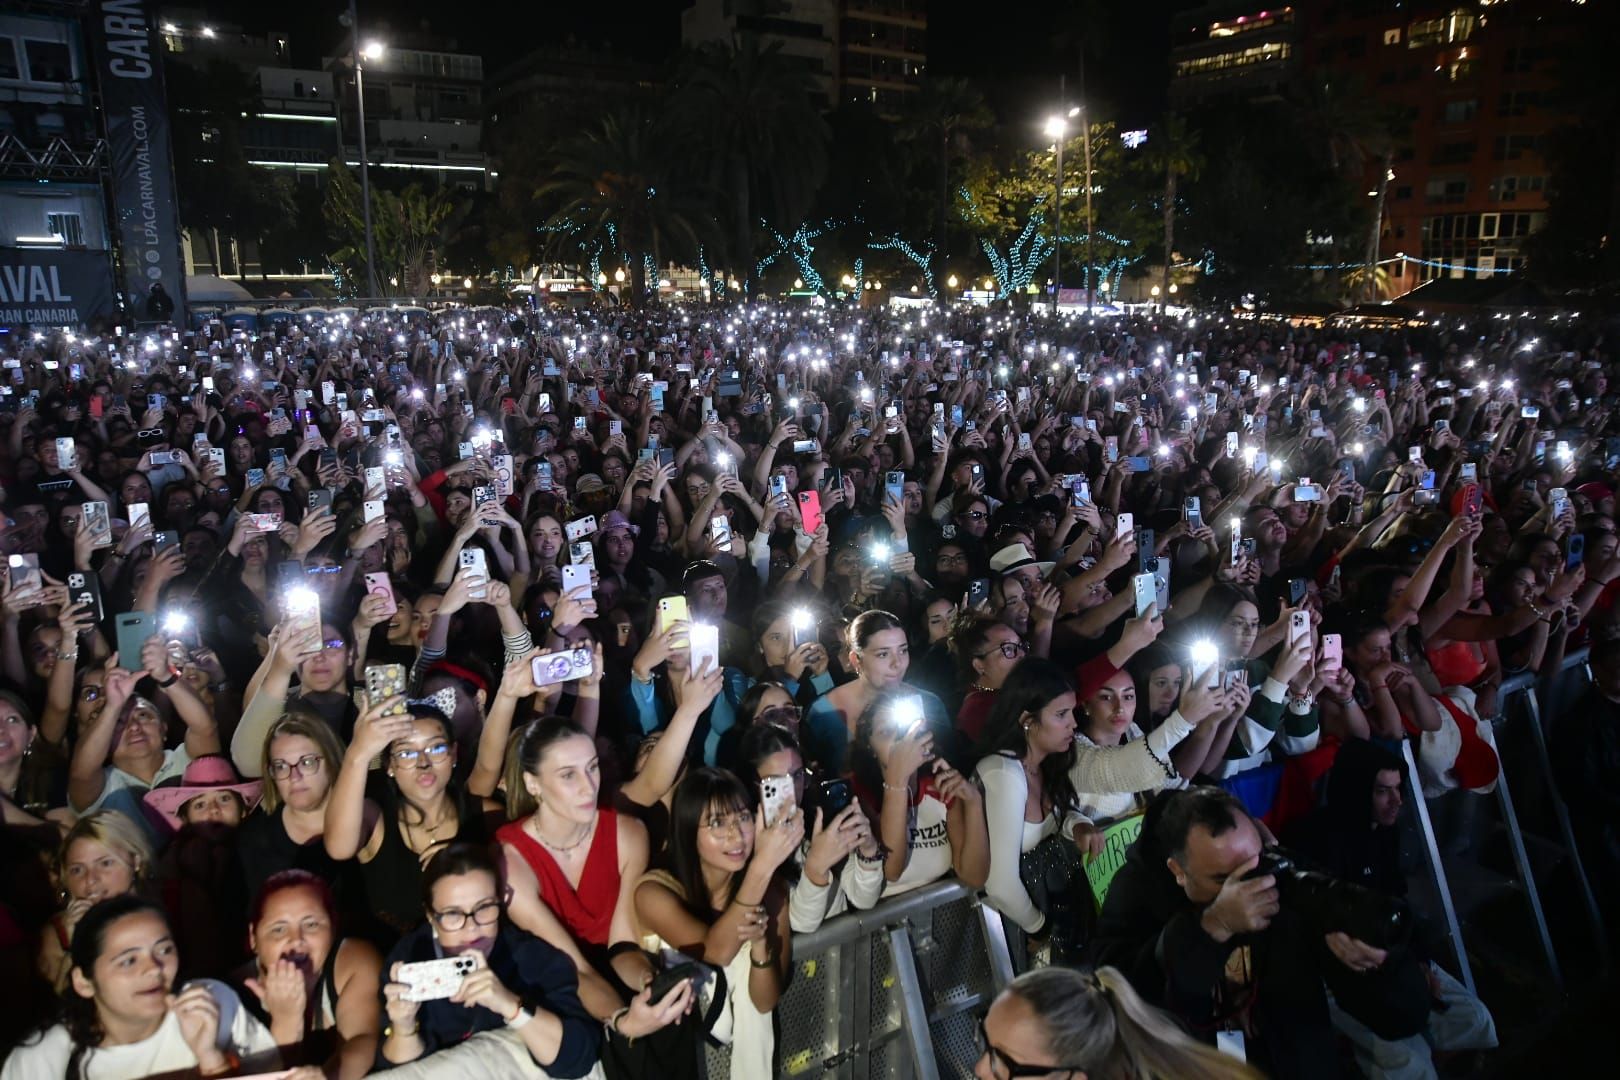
(561, 849)
(431, 830)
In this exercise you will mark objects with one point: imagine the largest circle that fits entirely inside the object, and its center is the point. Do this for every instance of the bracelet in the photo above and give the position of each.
(897, 787)
(411, 1034)
(170, 681)
(767, 962)
(67, 655)
(611, 1024)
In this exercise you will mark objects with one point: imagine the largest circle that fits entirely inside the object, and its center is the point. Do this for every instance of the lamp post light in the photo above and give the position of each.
(372, 50)
(1056, 128)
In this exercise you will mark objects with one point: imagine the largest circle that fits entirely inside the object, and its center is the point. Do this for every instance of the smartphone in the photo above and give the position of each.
(778, 486)
(471, 561)
(671, 610)
(666, 981)
(376, 479)
(86, 589)
(133, 628)
(720, 528)
(1470, 471)
(164, 540)
(385, 681)
(705, 646)
(320, 499)
(1111, 448)
(1473, 499)
(1146, 559)
(1161, 583)
(26, 578)
(1297, 591)
(382, 585)
(1126, 525)
(371, 510)
(1193, 512)
(1139, 463)
(575, 576)
(894, 488)
(95, 522)
(580, 528)
(1299, 626)
(810, 511)
(1332, 652)
(581, 553)
(776, 798)
(434, 980)
(67, 455)
(566, 665)
(1307, 493)
(1577, 551)
(978, 591)
(1146, 587)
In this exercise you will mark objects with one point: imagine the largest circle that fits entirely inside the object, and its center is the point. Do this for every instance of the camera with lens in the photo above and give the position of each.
(1365, 914)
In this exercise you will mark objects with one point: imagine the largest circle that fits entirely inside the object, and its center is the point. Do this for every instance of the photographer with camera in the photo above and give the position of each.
(1353, 836)
(1234, 941)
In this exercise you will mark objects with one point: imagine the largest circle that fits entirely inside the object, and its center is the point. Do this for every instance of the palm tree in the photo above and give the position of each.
(611, 188)
(939, 118)
(1173, 148)
(753, 117)
(1356, 128)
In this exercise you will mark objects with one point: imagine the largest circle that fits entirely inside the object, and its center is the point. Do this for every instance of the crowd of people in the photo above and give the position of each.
(501, 692)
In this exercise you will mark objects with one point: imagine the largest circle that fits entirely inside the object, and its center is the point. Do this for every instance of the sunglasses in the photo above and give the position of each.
(323, 569)
(973, 515)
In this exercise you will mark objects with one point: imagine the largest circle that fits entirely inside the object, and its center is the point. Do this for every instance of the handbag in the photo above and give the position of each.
(1053, 874)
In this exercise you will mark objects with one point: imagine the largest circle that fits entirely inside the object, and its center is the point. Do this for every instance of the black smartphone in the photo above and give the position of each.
(1577, 551)
(833, 798)
(86, 589)
(1146, 556)
(320, 498)
(1296, 591)
(978, 591)
(670, 978)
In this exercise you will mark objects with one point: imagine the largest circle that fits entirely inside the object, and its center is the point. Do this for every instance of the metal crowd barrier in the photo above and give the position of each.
(890, 993)
(1523, 690)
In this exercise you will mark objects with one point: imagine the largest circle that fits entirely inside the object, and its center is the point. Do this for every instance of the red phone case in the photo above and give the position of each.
(810, 511)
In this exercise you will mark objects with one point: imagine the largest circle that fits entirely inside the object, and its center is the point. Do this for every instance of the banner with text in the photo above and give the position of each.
(129, 70)
(1117, 839)
(49, 287)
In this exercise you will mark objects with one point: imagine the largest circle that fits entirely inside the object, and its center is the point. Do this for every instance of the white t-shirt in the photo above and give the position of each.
(116, 779)
(164, 1053)
(930, 842)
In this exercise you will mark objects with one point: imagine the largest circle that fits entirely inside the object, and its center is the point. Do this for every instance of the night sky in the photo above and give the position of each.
(1015, 52)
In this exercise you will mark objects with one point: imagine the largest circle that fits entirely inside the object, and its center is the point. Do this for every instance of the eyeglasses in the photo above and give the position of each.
(725, 823)
(1005, 1068)
(224, 489)
(323, 569)
(151, 433)
(90, 693)
(786, 715)
(437, 754)
(959, 557)
(1012, 650)
(973, 515)
(308, 765)
(484, 914)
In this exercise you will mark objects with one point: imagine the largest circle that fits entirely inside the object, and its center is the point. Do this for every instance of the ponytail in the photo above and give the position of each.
(1094, 1021)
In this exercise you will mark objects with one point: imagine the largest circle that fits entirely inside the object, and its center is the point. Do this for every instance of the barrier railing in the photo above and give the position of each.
(893, 992)
(1523, 690)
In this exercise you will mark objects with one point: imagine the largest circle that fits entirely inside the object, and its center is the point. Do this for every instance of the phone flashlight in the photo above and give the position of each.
(1204, 656)
(301, 600)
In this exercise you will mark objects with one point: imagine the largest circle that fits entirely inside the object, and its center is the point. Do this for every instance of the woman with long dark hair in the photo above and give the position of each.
(1029, 798)
(720, 901)
(123, 1018)
(416, 808)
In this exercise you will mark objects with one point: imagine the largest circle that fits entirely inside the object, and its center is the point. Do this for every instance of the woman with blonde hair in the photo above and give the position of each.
(105, 854)
(1062, 1022)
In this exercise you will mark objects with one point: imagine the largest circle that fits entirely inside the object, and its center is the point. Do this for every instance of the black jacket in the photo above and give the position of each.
(1151, 931)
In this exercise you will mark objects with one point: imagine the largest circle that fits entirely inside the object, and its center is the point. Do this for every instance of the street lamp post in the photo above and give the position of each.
(371, 51)
(1057, 127)
(1091, 226)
